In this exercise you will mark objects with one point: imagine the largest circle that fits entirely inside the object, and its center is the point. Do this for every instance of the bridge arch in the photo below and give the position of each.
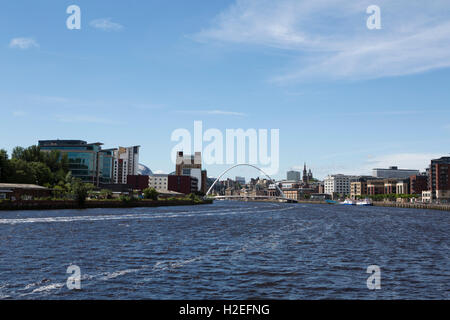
(245, 165)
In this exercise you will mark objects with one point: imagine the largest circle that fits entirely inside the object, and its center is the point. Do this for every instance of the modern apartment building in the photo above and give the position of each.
(159, 182)
(439, 179)
(394, 172)
(87, 161)
(338, 184)
(358, 187)
(293, 176)
(126, 162)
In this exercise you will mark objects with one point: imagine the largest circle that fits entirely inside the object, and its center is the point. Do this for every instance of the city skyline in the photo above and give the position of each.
(133, 79)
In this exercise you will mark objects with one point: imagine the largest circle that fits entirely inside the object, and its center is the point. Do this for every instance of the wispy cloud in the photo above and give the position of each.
(23, 43)
(331, 38)
(19, 113)
(214, 112)
(85, 119)
(106, 24)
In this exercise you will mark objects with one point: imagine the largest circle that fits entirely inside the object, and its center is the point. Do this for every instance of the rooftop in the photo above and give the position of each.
(21, 186)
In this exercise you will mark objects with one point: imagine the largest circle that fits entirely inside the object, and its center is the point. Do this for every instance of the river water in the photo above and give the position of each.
(228, 250)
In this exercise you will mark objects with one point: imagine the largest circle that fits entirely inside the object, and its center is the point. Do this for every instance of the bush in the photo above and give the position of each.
(151, 193)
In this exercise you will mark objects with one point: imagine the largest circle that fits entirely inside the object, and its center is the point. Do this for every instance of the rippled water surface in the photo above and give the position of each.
(228, 250)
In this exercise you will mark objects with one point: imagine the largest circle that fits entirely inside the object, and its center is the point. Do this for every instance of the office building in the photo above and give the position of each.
(87, 161)
(240, 180)
(375, 186)
(418, 184)
(394, 173)
(293, 176)
(403, 186)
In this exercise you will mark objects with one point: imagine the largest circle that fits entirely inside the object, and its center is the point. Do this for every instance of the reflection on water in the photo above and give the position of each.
(229, 250)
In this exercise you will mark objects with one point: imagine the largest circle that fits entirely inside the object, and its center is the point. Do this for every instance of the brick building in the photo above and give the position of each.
(182, 184)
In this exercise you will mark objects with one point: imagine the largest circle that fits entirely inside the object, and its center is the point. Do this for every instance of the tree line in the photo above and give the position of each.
(34, 166)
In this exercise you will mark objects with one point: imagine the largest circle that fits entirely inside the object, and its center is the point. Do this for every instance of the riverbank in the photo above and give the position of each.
(425, 206)
(91, 204)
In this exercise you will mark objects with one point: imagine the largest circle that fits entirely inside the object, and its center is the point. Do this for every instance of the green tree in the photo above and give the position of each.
(106, 194)
(151, 193)
(20, 172)
(4, 165)
(41, 173)
(81, 190)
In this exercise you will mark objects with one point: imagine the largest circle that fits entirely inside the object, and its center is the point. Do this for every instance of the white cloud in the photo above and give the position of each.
(418, 161)
(159, 172)
(23, 43)
(331, 39)
(106, 24)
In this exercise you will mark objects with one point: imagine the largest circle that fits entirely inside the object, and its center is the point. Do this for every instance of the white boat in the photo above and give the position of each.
(365, 202)
(348, 202)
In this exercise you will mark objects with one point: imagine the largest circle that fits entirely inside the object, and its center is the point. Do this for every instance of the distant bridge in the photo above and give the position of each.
(248, 197)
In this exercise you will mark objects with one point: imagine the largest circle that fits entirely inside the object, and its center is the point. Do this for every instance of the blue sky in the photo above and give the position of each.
(345, 98)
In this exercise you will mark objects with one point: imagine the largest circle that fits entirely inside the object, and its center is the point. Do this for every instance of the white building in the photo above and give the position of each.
(338, 183)
(126, 162)
(159, 182)
(427, 196)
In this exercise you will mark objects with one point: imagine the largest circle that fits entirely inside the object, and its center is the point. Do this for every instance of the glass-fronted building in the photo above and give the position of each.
(87, 161)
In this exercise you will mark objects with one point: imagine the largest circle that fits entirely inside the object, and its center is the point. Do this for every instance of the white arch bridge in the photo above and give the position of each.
(281, 197)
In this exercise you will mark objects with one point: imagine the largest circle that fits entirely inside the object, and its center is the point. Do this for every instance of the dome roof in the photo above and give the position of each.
(144, 170)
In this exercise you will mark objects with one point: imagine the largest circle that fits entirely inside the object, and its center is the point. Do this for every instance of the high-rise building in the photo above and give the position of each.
(240, 180)
(126, 162)
(293, 175)
(191, 165)
(187, 162)
(439, 179)
(87, 161)
(394, 173)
